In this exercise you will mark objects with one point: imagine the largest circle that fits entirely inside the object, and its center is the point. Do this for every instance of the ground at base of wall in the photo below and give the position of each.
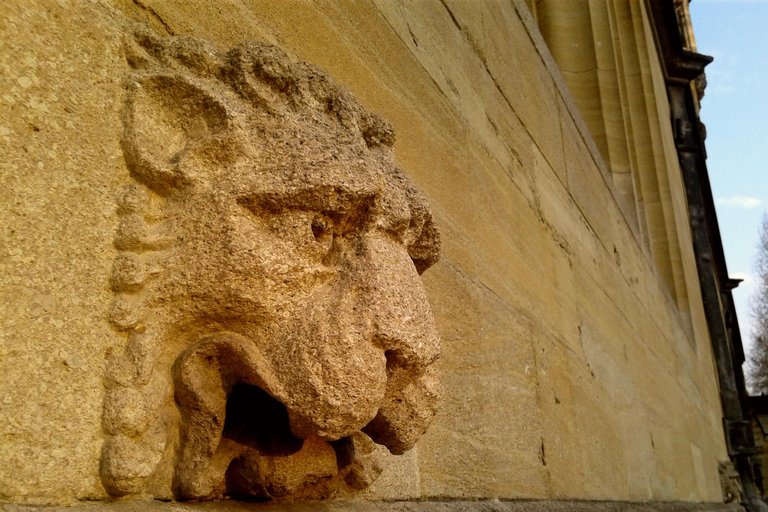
(397, 506)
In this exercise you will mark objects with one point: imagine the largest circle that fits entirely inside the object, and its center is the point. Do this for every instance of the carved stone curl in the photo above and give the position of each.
(267, 282)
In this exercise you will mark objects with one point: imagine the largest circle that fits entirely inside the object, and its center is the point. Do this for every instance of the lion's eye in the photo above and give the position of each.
(321, 224)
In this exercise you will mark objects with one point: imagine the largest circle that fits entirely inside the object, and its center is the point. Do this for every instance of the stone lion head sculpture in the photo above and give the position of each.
(267, 282)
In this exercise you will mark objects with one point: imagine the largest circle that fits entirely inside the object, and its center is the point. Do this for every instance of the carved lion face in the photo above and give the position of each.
(286, 274)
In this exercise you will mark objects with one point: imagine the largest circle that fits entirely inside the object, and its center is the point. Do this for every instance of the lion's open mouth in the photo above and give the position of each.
(258, 421)
(237, 438)
(266, 461)
(273, 462)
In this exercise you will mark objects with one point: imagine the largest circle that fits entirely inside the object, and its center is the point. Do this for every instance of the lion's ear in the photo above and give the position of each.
(164, 114)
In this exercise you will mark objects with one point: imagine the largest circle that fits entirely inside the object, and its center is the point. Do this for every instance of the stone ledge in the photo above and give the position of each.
(396, 506)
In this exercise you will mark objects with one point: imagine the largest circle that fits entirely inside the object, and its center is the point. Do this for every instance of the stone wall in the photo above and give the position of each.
(403, 506)
(568, 369)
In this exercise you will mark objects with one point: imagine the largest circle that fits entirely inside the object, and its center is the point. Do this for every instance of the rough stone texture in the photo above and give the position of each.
(358, 506)
(267, 281)
(567, 369)
(61, 169)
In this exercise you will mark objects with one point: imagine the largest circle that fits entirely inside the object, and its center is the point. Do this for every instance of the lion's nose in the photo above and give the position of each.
(394, 298)
(338, 355)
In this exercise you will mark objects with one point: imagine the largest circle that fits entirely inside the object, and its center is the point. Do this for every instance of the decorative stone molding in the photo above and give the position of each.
(730, 481)
(267, 282)
(701, 85)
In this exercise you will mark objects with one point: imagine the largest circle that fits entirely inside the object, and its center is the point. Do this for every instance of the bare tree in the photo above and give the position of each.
(758, 359)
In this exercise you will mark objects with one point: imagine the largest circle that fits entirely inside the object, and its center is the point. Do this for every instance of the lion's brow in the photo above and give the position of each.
(331, 197)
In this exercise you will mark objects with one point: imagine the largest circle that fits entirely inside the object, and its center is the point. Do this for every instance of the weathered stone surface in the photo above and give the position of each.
(561, 348)
(267, 281)
(428, 506)
(61, 167)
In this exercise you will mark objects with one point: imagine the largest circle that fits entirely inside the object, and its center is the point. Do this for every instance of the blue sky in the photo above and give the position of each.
(735, 110)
